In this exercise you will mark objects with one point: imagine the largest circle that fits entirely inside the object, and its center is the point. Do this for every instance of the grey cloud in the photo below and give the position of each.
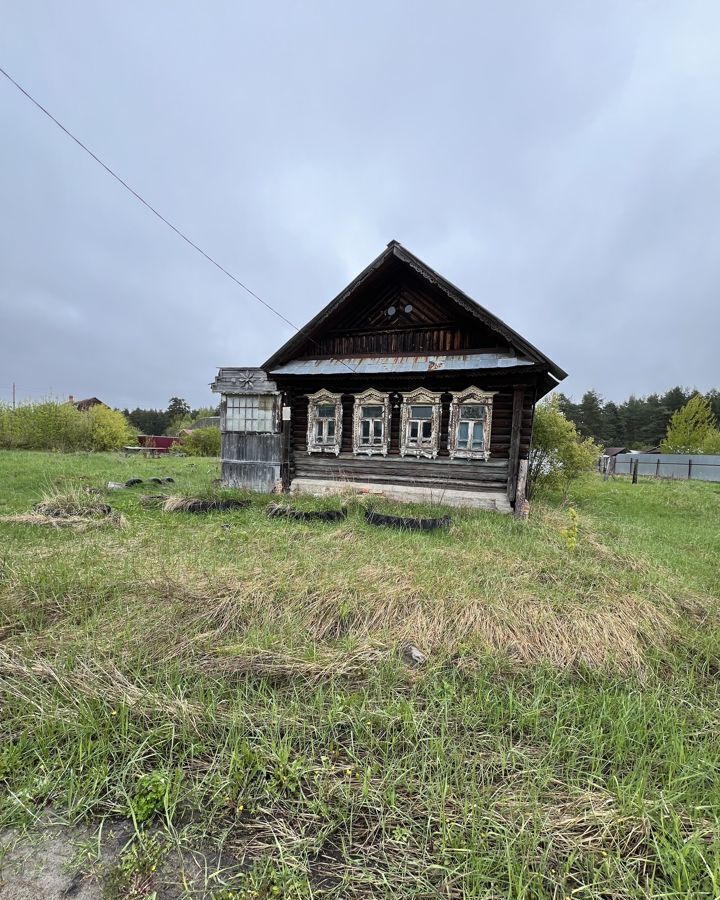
(559, 162)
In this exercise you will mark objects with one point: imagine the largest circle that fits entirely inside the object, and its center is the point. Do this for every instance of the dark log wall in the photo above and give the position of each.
(394, 468)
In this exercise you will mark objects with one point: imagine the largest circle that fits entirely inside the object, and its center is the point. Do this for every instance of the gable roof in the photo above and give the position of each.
(395, 250)
(85, 405)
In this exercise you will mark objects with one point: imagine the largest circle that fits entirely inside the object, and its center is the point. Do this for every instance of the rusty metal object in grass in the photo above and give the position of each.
(282, 511)
(408, 523)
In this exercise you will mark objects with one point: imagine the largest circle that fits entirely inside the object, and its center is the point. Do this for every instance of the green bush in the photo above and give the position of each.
(693, 429)
(202, 442)
(558, 453)
(59, 426)
(109, 429)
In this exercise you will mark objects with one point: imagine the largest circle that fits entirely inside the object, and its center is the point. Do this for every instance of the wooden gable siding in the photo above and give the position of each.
(433, 326)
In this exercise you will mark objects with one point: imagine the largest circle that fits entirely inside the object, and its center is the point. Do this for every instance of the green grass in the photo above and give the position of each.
(233, 685)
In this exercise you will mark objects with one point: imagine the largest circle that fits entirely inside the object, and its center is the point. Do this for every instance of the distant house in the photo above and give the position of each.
(85, 405)
(403, 386)
(607, 460)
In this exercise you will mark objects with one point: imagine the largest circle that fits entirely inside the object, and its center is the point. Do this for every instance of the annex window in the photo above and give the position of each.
(420, 424)
(470, 424)
(250, 412)
(371, 423)
(324, 422)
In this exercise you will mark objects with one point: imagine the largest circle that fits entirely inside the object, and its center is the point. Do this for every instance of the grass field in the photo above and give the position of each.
(228, 693)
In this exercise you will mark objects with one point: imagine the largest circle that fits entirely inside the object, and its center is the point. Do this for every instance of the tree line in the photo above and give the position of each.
(638, 423)
(177, 416)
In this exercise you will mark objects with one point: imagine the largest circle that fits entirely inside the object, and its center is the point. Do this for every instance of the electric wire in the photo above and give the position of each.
(155, 212)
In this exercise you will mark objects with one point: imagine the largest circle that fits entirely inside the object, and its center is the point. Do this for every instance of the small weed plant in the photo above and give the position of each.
(150, 796)
(570, 533)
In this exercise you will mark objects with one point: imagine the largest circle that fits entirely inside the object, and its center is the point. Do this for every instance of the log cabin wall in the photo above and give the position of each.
(450, 473)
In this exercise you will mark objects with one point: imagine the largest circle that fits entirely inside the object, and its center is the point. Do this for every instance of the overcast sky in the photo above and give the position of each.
(558, 161)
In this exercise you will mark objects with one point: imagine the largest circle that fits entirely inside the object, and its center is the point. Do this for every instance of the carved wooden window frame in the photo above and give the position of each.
(420, 397)
(471, 396)
(321, 398)
(371, 397)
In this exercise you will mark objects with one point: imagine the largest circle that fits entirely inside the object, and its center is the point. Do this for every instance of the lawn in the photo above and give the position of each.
(220, 705)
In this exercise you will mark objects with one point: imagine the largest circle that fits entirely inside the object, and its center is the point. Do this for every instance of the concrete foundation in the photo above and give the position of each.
(495, 500)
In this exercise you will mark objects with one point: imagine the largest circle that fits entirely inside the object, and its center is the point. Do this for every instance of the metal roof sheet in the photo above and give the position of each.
(370, 365)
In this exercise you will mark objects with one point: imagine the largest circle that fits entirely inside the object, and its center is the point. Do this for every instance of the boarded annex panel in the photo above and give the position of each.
(251, 461)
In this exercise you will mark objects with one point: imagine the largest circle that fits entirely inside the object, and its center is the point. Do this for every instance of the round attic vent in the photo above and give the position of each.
(391, 310)
(408, 308)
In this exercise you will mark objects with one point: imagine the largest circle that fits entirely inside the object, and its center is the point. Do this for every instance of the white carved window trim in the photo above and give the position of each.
(371, 397)
(322, 398)
(420, 397)
(472, 396)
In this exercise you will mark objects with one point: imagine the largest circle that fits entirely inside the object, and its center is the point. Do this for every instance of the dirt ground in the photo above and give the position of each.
(60, 862)
(40, 867)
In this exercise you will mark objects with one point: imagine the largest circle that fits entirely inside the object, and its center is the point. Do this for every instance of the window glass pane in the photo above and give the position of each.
(331, 428)
(326, 411)
(378, 429)
(472, 412)
(319, 431)
(463, 432)
(477, 440)
(249, 413)
(413, 430)
(426, 430)
(372, 412)
(421, 412)
(365, 429)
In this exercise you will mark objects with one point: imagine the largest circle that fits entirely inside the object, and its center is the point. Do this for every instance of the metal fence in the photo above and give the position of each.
(698, 467)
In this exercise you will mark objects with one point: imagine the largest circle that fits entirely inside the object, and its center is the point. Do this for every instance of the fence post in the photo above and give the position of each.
(689, 468)
(634, 471)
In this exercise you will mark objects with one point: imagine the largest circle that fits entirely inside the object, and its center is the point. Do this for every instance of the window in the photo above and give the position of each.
(470, 420)
(324, 422)
(250, 412)
(371, 418)
(420, 424)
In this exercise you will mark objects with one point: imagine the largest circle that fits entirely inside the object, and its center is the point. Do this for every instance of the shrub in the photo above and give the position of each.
(109, 429)
(693, 429)
(59, 426)
(202, 442)
(558, 453)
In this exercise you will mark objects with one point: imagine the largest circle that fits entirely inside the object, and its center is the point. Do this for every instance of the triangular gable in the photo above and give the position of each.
(396, 252)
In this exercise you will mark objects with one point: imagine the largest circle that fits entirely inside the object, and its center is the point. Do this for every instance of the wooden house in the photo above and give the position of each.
(402, 385)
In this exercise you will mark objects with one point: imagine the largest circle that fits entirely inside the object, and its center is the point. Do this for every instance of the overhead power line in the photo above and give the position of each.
(149, 206)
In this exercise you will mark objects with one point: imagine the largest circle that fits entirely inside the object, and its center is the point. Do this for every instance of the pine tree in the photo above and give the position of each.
(591, 416)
